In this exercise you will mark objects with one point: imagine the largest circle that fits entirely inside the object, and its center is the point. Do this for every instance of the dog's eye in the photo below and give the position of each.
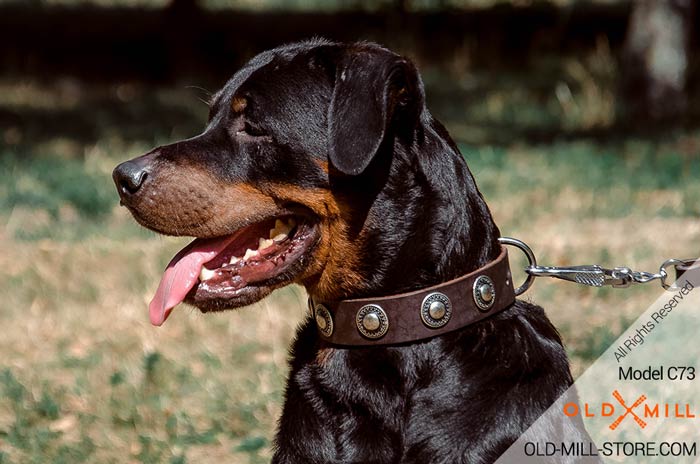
(252, 130)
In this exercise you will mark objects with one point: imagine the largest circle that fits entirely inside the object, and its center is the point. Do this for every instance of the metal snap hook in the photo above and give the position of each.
(675, 263)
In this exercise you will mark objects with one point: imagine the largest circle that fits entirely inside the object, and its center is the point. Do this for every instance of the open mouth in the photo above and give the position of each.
(235, 270)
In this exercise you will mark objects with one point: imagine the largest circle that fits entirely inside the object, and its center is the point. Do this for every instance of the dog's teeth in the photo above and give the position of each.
(234, 260)
(264, 243)
(280, 237)
(280, 228)
(206, 274)
(250, 253)
(286, 227)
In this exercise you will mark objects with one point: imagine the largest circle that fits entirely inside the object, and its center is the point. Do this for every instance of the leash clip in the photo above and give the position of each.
(591, 275)
(594, 275)
(680, 266)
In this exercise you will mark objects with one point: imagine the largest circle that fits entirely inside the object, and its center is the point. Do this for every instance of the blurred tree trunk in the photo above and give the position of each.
(655, 59)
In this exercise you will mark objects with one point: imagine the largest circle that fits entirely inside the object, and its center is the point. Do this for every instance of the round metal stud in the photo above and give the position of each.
(324, 320)
(436, 310)
(372, 321)
(484, 293)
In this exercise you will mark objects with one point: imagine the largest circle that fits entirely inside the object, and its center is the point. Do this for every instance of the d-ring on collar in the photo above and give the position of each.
(420, 314)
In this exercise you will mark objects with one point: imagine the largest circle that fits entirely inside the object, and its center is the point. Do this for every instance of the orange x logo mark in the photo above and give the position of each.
(628, 410)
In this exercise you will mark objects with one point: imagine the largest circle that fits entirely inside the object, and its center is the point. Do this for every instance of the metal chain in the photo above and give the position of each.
(594, 275)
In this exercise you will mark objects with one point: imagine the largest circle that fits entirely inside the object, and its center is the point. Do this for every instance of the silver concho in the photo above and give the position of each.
(484, 293)
(324, 320)
(436, 310)
(372, 321)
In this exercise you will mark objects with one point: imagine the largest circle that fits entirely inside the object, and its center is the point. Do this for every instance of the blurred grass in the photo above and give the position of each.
(85, 378)
(50, 183)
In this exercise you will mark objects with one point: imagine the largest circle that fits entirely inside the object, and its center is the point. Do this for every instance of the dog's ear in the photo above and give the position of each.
(372, 92)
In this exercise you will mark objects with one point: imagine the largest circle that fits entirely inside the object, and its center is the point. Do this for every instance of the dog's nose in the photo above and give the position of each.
(129, 176)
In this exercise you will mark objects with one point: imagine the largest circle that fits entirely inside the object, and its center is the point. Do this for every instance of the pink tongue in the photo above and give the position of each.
(182, 274)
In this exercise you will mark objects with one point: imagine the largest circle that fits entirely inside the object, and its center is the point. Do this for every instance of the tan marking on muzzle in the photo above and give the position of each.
(185, 200)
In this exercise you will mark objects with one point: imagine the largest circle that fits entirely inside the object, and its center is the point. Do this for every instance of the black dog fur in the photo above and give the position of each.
(416, 219)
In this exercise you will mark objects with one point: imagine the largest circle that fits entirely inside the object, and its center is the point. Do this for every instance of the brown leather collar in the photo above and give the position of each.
(420, 314)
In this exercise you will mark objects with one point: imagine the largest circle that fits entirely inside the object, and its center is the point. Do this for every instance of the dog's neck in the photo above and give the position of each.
(452, 230)
(426, 223)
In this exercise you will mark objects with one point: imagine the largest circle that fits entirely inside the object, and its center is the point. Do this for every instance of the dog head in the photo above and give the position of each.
(297, 177)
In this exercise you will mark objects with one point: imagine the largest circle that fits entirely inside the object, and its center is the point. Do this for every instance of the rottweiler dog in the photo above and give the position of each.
(321, 165)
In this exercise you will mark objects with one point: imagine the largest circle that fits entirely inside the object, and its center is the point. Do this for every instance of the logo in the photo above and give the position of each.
(640, 411)
(628, 410)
